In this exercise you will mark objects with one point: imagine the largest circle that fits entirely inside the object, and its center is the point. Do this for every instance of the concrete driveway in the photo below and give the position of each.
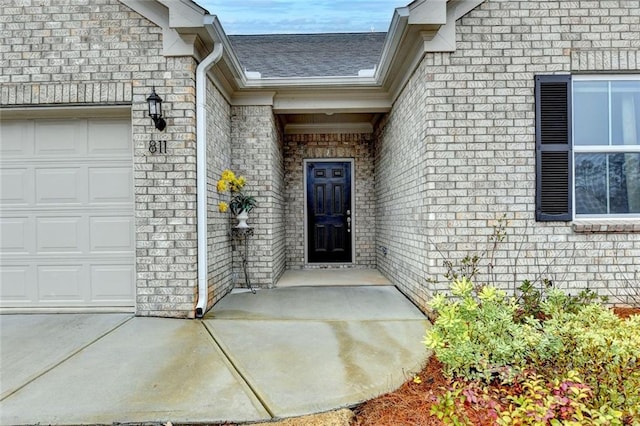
(278, 353)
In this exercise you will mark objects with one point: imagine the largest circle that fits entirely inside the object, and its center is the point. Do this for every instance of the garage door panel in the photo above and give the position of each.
(60, 283)
(110, 185)
(66, 213)
(16, 186)
(59, 186)
(111, 234)
(59, 234)
(16, 235)
(60, 138)
(17, 139)
(109, 137)
(112, 283)
(16, 284)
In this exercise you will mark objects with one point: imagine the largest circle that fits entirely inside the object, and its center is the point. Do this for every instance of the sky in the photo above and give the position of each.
(302, 16)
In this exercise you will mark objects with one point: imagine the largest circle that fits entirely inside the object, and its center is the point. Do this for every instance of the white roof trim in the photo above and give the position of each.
(421, 27)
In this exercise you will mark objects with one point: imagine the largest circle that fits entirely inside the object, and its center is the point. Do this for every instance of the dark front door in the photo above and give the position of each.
(329, 211)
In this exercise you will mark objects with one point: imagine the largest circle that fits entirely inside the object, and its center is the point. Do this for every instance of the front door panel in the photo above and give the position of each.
(329, 212)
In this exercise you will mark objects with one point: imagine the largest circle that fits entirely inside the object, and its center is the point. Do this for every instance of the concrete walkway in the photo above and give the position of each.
(278, 353)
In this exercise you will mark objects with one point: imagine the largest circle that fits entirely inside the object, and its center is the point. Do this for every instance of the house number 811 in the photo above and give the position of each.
(159, 147)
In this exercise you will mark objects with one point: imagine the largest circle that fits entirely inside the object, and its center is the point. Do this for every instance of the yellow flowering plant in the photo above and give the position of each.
(240, 201)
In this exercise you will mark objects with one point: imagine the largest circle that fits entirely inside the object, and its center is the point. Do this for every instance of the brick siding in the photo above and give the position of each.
(218, 113)
(257, 155)
(458, 151)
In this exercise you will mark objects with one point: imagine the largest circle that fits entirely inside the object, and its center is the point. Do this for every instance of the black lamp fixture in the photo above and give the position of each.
(155, 110)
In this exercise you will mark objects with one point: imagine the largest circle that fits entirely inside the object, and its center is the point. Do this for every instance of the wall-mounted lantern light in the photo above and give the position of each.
(155, 110)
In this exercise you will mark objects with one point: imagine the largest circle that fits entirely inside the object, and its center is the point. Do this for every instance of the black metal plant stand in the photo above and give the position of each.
(238, 234)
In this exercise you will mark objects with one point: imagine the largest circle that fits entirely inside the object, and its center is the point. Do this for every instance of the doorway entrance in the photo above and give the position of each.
(329, 211)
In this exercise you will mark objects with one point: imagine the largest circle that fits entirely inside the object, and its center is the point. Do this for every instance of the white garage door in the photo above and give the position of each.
(66, 213)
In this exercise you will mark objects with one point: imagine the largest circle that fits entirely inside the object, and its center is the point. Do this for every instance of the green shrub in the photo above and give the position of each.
(477, 337)
(482, 334)
(544, 300)
(605, 350)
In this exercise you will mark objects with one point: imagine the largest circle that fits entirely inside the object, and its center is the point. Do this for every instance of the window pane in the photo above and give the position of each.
(625, 112)
(591, 184)
(624, 183)
(622, 173)
(590, 113)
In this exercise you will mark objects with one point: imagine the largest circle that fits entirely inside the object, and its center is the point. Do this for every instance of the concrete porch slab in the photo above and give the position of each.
(147, 370)
(299, 368)
(360, 303)
(332, 277)
(309, 349)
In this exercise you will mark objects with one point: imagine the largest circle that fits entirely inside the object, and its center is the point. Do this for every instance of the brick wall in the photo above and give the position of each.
(90, 53)
(257, 154)
(469, 118)
(165, 197)
(297, 148)
(401, 185)
(277, 192)
(218, 158)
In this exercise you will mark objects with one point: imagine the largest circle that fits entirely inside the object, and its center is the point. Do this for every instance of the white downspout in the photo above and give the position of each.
(201, 175)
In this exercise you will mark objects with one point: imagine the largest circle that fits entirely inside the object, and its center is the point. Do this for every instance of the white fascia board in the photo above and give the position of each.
(427, 38)
(227, 74)
(310, 82)
(343, 101)
(253, 98)
(219, 36)
(404, 66)
(395, 34)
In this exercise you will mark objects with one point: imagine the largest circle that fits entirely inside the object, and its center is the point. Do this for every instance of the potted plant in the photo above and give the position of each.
(240, 203)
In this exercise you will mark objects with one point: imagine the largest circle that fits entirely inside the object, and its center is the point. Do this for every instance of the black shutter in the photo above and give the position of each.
(553, 148)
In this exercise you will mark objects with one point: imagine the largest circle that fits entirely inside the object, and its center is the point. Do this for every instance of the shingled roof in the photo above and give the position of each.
(308, 55)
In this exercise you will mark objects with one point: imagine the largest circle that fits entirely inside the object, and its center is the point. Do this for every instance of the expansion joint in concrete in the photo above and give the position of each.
(66, 358)
(237, 371)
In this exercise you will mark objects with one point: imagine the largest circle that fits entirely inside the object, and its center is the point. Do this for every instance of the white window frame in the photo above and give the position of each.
(600, 149)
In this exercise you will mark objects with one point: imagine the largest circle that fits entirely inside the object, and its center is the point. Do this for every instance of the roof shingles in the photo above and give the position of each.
(308, 55)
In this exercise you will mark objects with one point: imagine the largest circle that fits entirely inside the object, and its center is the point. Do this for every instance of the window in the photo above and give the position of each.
(588, 147)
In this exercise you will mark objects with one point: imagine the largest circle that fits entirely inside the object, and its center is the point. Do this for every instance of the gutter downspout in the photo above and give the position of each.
(201, 174)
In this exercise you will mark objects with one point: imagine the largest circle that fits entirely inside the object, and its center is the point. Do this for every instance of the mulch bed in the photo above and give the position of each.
(411, 403)
(625, 312)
